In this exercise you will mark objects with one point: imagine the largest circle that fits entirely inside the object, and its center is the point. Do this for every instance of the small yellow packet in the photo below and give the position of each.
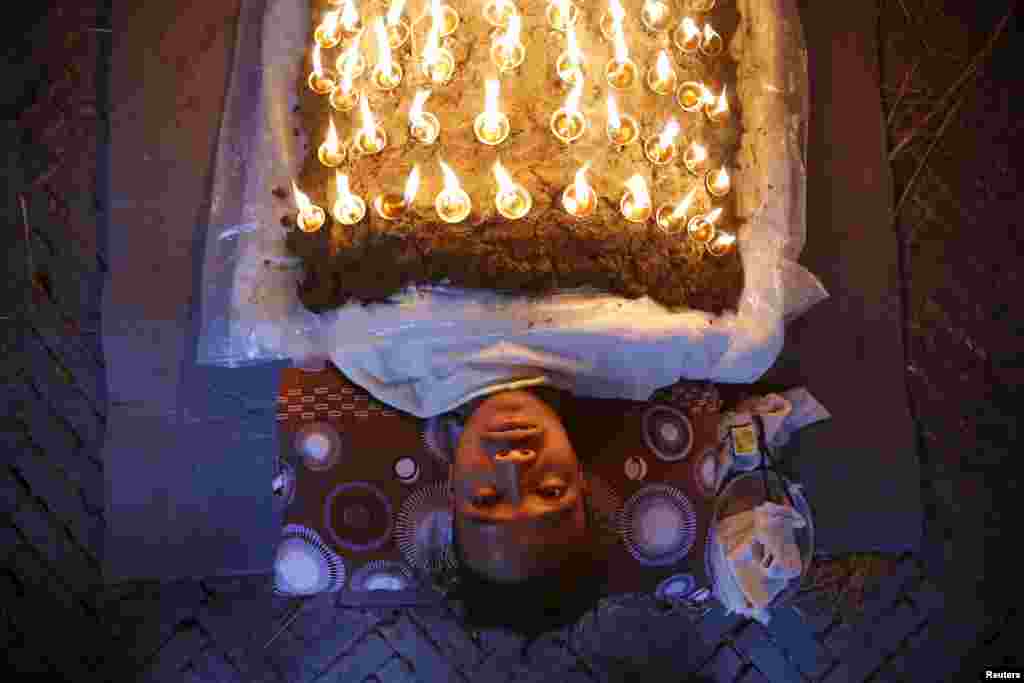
(744, 440)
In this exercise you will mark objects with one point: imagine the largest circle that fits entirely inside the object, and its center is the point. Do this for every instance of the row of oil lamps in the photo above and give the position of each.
(513, 201)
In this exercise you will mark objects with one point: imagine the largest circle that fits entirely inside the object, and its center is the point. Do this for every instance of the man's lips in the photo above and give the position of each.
(511, 431)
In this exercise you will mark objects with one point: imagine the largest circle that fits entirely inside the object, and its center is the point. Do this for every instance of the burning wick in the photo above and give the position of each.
(327, 34)
(398, 28)
(352, 60)
(691, 96)
(348, 209)
(661, 79)
(508, 52)
(722, 244)
(330, 153)
(491, 126)
(391, 207)
(621, 71)
(452, 203)
(661, 150)
(562, 14)
(343, 98)
(579, 199)
(687, 36)
(568, 123)
(672, 220)
(388, 73)
(702, 228)
(636, 201)
(656, 16)
(695, 158)
(712, 44)
(322, 81)
(371, 138)
(720, 113)
(622, 128)
(349, 16)
(612, 18)
(438, 63)
(311, 217)
(718, 186)
(423, 126)
(512, 201)
(498, 12)
(570, 62)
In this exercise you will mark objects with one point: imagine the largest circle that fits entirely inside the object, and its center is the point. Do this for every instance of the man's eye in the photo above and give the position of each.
(485, 500)
(553, 492)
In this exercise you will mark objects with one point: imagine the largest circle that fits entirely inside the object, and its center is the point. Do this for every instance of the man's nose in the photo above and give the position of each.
(510, 465)
(516, 456)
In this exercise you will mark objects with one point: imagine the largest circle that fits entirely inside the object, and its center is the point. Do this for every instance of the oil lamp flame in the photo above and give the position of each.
(572, 46)
(614, 122)
(318, 67)
(655, 10)
(713, 216)
(369, 124)
(580, 186)
(723, 104)
(383, 47)
(663, 67)
(680, 211)
(709, 33)
(637, 187)
(451, 181)
(505, 183)
(698, 153)
(617, 12)
(511, 37)
(395, 12)
(621, 50)
(350, 16)
(725, 239)
(572, 100)
(412, 186)
(348, 208)
(330, 23)
(416, 110)
(721, 181)
(332, 137)
(433, 46)
(343, 194)
(302, 201)
(668, 135)
(690, 30)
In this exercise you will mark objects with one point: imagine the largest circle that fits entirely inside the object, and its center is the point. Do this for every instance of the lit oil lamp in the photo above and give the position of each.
(311, 217)
(622, 128)
(350, 20)
(568, 123)
(491, 126)
(321, 81)
(330, 152)
(661, 150)
(621, 71)
(656, 15)
(424, 127)
(717, 113)
(438, 62)
(351, 59)
(718, 184)
(712, 44)
(390, 206)
(691, 96)
(344, 97)
(579, 199)
(348, 208)
(702, 228)
(672, 219)
(388, 73)
(661, 78)
(615, 16)
(695, 158)
(327, 34)
(498, 12)
(687, 36)
(508, 52)
(512, 201)
(452, 203)
(722, 244)
(398, 28)
(562, 14)
(370, 139)
(636, 201)
(570, 63)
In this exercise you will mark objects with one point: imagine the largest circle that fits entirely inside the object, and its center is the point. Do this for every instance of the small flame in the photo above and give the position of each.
(416, 110)
(690, 29)
(369, 124)
(412, 185)
(613, 113)
(451, 181)
(318, 67)
(563, 10)
(684, 205)
(698, 153)
(395, 12)
(618, 14)
(655, 10)
(706, 96)
(723, 104)
(349, 15)
(330, 23)
(301, 200)
(713, 216)
(572, 100)
(342, 194)
(663, 68)
(572, 46)
(491, 102)
(722, 179)
(724, 239)
(669, 134)
(580, 188)
(637, 187)
(511, 37)
(383, 46)
(432, 49)
(332, 137)
(709, 33)
(505, 183)
(621, 50)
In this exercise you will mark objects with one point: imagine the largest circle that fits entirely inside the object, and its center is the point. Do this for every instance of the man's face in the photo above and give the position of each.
(518, 488)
